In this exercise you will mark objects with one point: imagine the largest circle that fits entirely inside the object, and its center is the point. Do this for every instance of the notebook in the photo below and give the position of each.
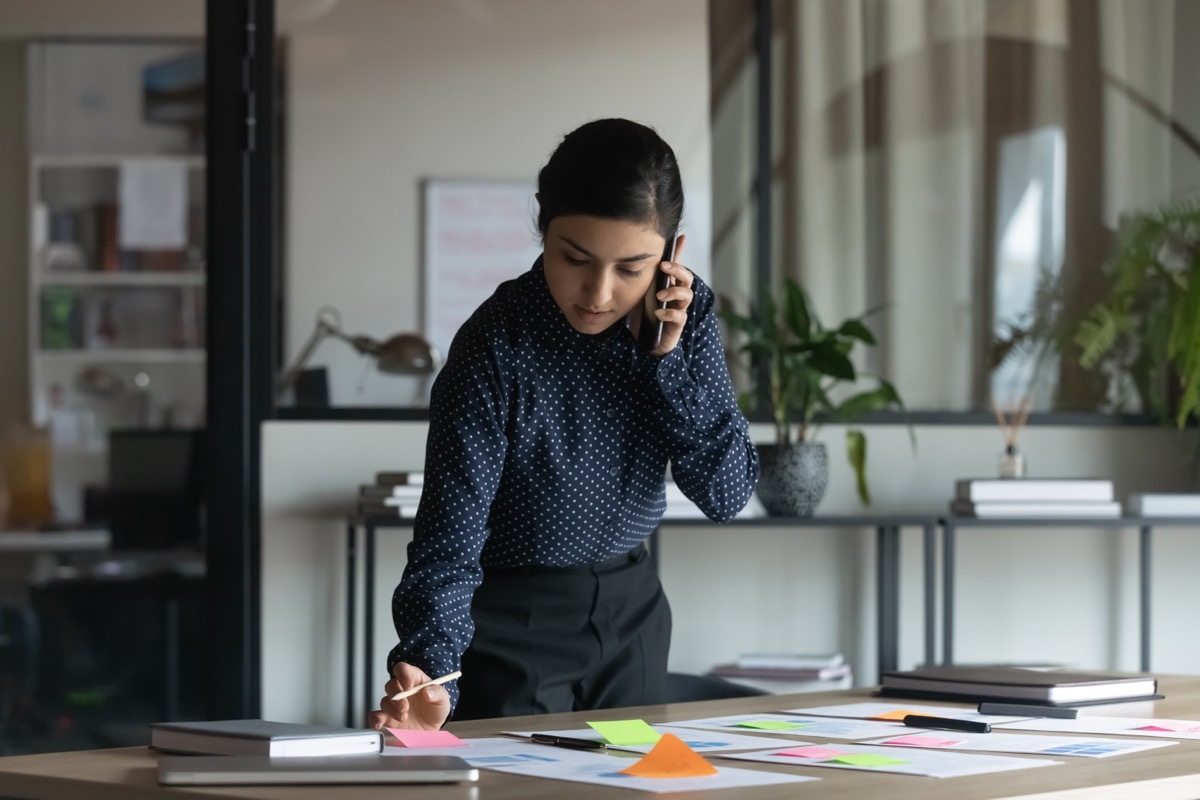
(1056, 687)
(263, 770)
(256, 737)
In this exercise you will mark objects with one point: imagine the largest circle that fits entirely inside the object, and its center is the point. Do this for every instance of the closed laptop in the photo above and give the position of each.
(252, 770)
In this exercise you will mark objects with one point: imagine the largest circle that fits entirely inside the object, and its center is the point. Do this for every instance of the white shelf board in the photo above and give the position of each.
(94, 278)
(147, 356)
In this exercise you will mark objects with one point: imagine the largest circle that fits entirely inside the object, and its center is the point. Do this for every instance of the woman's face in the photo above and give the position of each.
(599, 269)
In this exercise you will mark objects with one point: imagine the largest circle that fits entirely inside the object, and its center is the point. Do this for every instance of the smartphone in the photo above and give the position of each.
(651, 328)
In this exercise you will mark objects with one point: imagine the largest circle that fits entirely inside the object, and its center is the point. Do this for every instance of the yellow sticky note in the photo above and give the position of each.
(894, 716)
(626, 731)
(771, 724)
(670, 758)
(867, 760)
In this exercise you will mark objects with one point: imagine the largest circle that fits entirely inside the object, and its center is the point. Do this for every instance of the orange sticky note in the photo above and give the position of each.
(894, 716)
(419, 738)
(670, 758)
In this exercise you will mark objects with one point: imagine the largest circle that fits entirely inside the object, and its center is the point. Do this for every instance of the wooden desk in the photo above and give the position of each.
(1168, 773)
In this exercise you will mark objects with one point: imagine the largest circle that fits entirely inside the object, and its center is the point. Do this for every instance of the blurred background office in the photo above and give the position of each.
(962, 163)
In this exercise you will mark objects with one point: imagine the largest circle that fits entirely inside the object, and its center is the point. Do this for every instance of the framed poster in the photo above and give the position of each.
(478, 234)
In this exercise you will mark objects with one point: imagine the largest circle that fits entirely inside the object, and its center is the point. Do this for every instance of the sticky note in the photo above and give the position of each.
(415, 738)
(670, 758)
(867, 760)
(894, 716)
(811, 751)
(1172, 728)
(626, 731)
(918, 740)
(770, 724)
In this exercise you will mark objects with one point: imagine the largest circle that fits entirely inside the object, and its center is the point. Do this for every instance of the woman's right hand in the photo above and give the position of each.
(425, 710)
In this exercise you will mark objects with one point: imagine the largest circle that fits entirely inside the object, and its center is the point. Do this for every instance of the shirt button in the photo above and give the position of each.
(612, 412)
(615, 471)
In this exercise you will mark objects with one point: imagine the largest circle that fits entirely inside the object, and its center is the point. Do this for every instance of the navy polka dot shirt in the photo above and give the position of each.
(550, 446)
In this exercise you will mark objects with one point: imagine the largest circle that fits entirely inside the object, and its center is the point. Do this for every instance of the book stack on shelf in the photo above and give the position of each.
(1163, 505)
(393, 494)
(788, 673)
(1009, 498)
(680, 507)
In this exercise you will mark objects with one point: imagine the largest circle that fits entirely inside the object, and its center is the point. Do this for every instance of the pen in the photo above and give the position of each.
(947, 724)
(426, 684)
(567, 741)
(1020, 710)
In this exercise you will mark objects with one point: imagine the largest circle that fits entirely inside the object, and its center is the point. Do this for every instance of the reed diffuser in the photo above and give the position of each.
(1012, 461)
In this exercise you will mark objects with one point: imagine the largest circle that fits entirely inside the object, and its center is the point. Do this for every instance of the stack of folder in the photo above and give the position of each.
(992, 498)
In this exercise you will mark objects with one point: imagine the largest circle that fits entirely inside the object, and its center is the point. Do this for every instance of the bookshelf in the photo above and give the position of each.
(114, 331)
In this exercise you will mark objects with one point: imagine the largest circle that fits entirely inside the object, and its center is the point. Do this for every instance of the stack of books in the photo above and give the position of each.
(788, 673)
(392, 494)
(1014, 498)
(1164, 505)
(1014, 684)
(680, 507)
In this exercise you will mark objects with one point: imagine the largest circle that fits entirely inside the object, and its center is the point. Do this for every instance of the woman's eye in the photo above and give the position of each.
(579, 262)
(631, 273)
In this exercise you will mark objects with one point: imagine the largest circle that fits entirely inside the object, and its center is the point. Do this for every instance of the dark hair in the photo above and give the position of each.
(614, 169)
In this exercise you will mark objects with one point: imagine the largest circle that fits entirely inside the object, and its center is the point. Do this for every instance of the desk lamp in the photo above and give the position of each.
(402, 354)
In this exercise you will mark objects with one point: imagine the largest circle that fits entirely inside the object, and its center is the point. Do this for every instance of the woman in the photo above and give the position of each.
(550, 434)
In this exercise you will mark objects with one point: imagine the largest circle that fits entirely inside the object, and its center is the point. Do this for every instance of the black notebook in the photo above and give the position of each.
(1055, 687)
(256, 737)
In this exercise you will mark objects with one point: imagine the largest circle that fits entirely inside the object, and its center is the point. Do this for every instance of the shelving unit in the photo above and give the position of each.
(110, 329)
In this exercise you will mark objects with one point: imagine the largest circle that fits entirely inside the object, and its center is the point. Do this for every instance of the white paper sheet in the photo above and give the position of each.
(610, 775)
(153, 204)
(700, 742)
(802, 726)
(1092, 747)
(868, 710)
(914, 761)
(501, 751)
(1125, 726)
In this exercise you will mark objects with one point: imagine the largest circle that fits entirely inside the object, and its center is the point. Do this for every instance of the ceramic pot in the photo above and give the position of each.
(793, 479)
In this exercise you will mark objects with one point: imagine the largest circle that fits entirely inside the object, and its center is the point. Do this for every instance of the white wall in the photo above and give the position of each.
(14, 368)
(1065, 595)
(384, 93)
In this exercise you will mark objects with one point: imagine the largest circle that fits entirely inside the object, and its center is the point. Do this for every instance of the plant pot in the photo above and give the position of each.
(793, 478)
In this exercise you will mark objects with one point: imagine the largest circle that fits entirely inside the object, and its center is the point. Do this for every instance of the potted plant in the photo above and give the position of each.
(1146, 331)
(802, 361)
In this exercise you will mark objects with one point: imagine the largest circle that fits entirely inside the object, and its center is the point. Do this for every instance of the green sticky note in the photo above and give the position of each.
(867, 760)
(770, 724)
(626, 731)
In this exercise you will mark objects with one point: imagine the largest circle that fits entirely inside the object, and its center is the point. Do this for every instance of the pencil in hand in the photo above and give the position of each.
(426, 684)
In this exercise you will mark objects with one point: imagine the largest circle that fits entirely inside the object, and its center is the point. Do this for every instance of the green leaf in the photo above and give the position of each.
(856, 329)
(827, 359)
(799, 320)
(856, 451)
(863, 403)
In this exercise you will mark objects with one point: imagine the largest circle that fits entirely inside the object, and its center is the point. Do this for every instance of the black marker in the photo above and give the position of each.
(947, 724)
(567, 741)
(1020, 710)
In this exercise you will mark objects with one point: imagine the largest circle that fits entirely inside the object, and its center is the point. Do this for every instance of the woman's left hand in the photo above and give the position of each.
(678, 297)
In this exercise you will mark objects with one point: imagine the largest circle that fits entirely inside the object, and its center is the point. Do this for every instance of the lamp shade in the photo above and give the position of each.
(407, 354)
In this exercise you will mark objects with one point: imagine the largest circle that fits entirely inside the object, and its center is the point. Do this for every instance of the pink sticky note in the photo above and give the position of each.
(812, 751)
(1153, 728)
(917, 740)
(416, 738)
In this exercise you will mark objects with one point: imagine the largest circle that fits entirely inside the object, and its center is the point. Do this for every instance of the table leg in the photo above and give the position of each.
(930, 547)
(351, 558)
(1144, 578)
(368, 625)
(948, 592)
(887, 559)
